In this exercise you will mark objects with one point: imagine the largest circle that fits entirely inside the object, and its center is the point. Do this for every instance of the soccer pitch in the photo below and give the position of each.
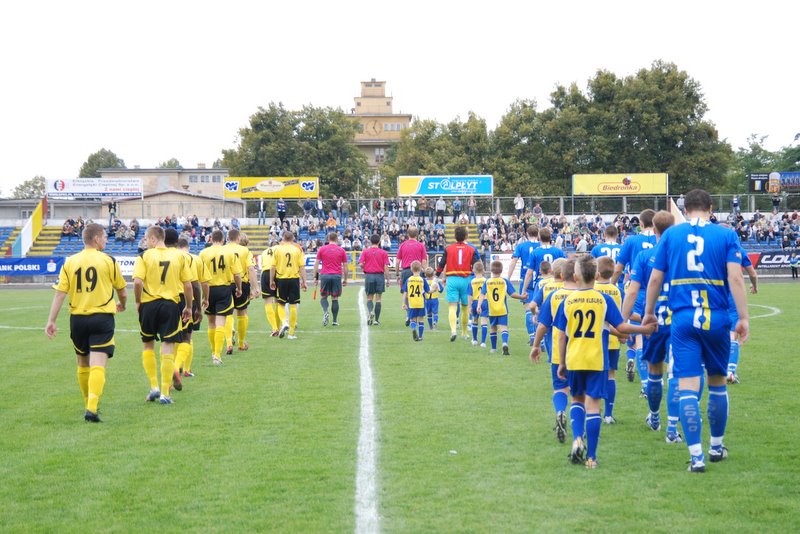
(268, 441)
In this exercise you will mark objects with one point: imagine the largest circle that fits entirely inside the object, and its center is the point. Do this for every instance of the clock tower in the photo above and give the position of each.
(380, 127)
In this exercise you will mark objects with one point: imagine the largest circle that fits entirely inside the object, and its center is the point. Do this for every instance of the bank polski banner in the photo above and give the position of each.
(272, 187)
(33, 266)
(620, 184)
(434, 186)
(94, 188)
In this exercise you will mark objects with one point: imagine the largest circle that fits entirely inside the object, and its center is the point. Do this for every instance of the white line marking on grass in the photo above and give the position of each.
(366, 463)
(772, 311)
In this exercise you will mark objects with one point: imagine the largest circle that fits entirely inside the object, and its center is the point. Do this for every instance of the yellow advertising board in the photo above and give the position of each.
(620, 184)
(272, 187)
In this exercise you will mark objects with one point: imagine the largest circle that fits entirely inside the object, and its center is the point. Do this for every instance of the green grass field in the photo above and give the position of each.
(268, 442)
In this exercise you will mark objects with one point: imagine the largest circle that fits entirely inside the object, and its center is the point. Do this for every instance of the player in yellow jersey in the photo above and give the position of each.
(583, 338)
(548, 332)
(413, 291)
(185, 350)
(224, 273)
(495, 291)
(432, 298)
(160, 275)
(479, 317)
(90, 278)
(267, 293)
(237, 242)
(287, 276)
(605, 270)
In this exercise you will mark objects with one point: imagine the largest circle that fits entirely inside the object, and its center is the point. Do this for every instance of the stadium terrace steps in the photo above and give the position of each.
(472, 233)
(8, 234)
(46, 242)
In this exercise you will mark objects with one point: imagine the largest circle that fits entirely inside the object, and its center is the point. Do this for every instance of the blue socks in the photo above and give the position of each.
(493, 339)
(593, 424)
(504, 337)
(475, 329)
(691, 423)
(529, 324)
(717, 413)
(560, 401)
(484, 333)
(673, 406)
(577, 419)
(611, 396)
(421, 328)
(641, 365)
(733, 359)
(430, 320)
(655, 390)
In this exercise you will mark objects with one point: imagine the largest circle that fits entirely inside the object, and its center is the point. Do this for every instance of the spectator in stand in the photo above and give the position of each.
(441, 207)
(386, 242)
(411, 207)
(472, 210)
(357, 245)
(344, 210)
(583, 244)
(776, 203)
(681, 203)
(347, 244)
(456, 209)
(235, 223)
(134, 226)
(142, 245)
(735, 204)
(519, 205)
(330, 223)
(537, 211)
(280, 206)
(505, 246)
(422, 209)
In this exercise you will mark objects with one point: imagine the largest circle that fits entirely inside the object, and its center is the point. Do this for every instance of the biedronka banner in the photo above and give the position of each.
(272, 187)
(620, 184)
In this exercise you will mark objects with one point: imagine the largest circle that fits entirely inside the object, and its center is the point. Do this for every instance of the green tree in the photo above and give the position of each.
(309, 142)
(33, 188)
(171, 163)
(102, 159)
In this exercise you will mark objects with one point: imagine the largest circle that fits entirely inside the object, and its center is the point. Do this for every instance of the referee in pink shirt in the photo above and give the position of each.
(410, 250)
(375, 264)
(331, 277)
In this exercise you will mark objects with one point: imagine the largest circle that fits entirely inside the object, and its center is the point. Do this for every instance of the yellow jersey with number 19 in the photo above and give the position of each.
(90, 278)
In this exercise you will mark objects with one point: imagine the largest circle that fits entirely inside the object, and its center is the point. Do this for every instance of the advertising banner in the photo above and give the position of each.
(505, 259)
(272, 187)
(620, 184)
(94, 188)
(434, 186)
(770, 259)
(36, 266)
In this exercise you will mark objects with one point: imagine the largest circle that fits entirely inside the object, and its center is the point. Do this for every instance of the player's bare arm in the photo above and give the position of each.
(58, 300)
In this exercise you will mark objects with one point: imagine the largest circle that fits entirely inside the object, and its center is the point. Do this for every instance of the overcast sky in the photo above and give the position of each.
(155, 80)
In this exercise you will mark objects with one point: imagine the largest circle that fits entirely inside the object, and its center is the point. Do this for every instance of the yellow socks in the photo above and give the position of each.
(464, 319)
(97, 381)
(241, 328)
(181, 355)
(272, 315)
(212, 332)
(167, 368)
(187, 365)
(281, 314)
(292, 318)
(149, 364)
(83, 382)
(453, 316)
(229, 330)
(219, 341)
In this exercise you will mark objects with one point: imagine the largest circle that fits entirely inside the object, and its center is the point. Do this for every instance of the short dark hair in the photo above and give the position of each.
(605, 266)
(92, 230)
(646, 218)
(288, 236)
(374, 239)
(611, 231)
(217, 236)
(545, 235)
(663, 220)
(533, 230)
(333, 236)
(586, 268)
(460, 233)
(233, 234)
(568, 270)
(183, 242)
(697, 200)
(545, 267)
(170, 237)
(496, 267)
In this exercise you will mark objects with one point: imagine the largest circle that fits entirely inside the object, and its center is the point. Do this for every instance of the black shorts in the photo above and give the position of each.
(220, 300)
(266, 291)
(192, 325)
(242, 302)
(92, 333)
(330, 285)
(374, 283)
(288, 290)
(160, 319)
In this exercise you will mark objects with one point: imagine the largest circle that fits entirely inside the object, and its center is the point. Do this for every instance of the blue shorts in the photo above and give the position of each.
(693, 347)
(613, 359)
(590, 383)
(733, 315)
(558, 383)
(656, 347)
(484, 308)
(432, 306)
(413, 313)
(456, 289)
(498, 320)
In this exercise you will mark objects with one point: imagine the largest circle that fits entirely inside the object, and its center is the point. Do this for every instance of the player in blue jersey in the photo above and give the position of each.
(609, 247)
(733, 360)
(632, 246)
(544, 252)
(702, 262)
(522, 253)
(656, 346)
